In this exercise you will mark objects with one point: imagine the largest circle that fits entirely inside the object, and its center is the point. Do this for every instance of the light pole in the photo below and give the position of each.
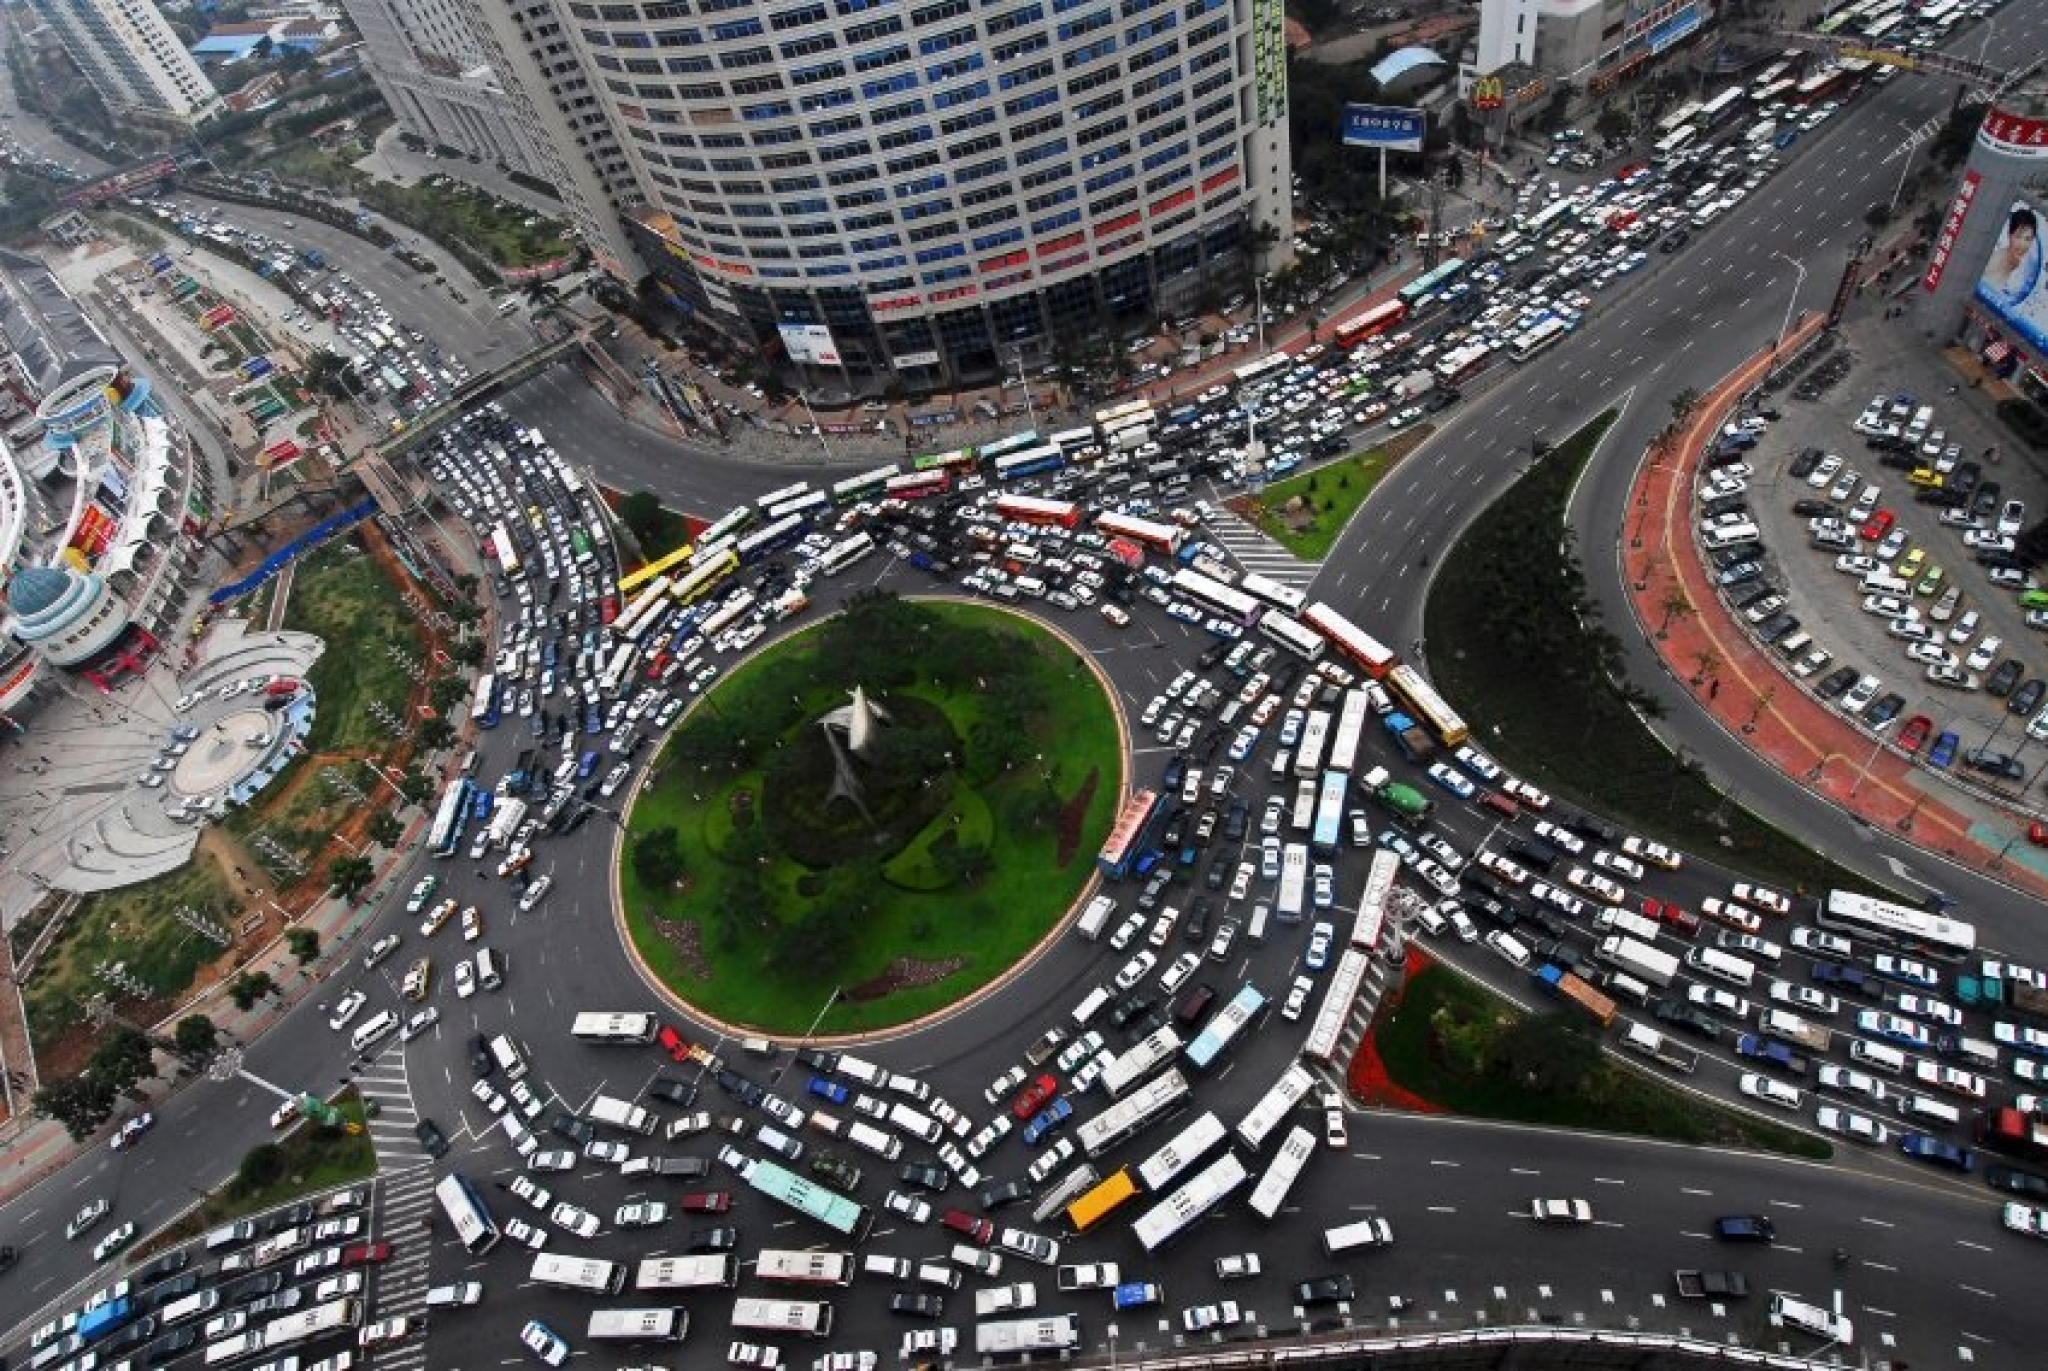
(1798, 283)
(816, 427)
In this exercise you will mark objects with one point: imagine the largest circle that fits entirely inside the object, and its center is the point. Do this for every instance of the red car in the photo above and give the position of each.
(2037, 833)
(1683, 921)
(1033, 1097)
(365, 1253)
(1915, 733)
(967, 1225)
(1500, 804)
(708, 1202)
(673, 1043)
(1878, 525)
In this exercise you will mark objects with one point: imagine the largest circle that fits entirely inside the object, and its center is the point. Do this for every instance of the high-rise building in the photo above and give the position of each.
(133, 59)
(1587, 43)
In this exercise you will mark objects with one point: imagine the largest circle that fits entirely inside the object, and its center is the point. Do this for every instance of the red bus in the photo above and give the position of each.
(1376, 320)
(1032, 510)
(1372, 656)
(917, 485)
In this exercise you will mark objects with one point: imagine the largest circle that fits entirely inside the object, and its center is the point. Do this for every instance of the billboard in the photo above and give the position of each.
(1951, 229)
(2011, 285)
(810, 344)
(1390, 128)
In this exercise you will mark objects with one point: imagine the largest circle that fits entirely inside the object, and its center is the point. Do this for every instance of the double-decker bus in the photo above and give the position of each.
(1281, 1173)
(1029, 462)
(1164, 539)
(954, 459)
(1224, 1027)
(660, 566)
(1290, 633)
(918, 485)
(1419, 696)
(1274, 593)
(505, 551)
(1274, 1106)
(846, 552)
(1896, 925)
(619, 1028)
(320, 1321)
(1127, 836)
(1180, 1152)
(1139, 1060)
(707, 575)
(1016, 442)
(1350, 730)
(1128, 1117)
(862, 486)
(1029, 509)
(1234, 605)
(1179, 1211)
(770, 538)
(1369, 323)
(810, 1199)
(483, 708)
(806, 507)
(1364, 651)
(782, 1318)
(804, 1267)
(688, 1273)
(1432, 281)
(1104, 1198)
(1536, 338)
(474, 1227)
(1329, 824)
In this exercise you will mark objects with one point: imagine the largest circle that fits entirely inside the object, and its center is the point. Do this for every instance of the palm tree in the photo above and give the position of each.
(350, 876)
(1677, 604)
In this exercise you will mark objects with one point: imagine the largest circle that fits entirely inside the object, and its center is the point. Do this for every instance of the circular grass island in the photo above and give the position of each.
(795, 849)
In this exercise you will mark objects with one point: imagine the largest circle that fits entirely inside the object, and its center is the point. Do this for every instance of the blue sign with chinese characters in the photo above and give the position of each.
(1388, 127)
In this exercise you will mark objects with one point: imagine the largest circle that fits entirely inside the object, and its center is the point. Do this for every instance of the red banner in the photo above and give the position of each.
(95, 530)
(1937, 262)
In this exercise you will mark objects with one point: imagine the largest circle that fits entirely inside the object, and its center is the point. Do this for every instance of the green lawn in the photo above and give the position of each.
(1445, 1023)
(1508, 646)
(343, 596)
(509, 235)
(133, 927)
(971, 930)
(1327, 498)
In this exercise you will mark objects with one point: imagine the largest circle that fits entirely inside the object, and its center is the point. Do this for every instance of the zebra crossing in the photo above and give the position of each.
(1256, 552)
(386, 1082)
(404, 1205)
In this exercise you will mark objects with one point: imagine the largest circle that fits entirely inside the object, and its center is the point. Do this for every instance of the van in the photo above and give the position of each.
(371, 1029)
(1095, 916)
(757, 1047)
(1793, 644)
(1711, 961)
(1090, 1005)
(510, 1058)
(232, 1235)
(1883, 583)
(1877, 1056)
(490, 968)
(1031, 586)
(1021, 553)
(939, 1274)
(921, 1126)
(1509, 946)
(616, 1113)
(1728, 535)
(1621, 985)
(1921, 1109)
(1789, 1311)
(888, 1268)
(191, 1307)
(522, 1139)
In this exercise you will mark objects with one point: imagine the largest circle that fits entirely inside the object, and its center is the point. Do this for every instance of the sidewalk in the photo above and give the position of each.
(1745, 691)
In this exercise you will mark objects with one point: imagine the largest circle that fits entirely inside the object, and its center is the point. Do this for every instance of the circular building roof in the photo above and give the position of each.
(35, 588)
(1408, 69)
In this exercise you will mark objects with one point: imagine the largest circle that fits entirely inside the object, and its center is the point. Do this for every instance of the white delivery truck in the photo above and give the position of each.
(1639, 959)
(606, 1109)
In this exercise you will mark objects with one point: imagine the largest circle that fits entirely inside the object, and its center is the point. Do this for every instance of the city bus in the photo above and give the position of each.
(1534, 340)
(1263, 369)
(1139, 1060)
(1329, 823)
(621, 1029)
(1272, 592)
(1460, 363)
(1179, 1211)
(1071, 440)
(1018, 442)
(768, 502)
(1369, 323)
(1105, 1198)
(660, 566)
(1127, 836)
(1281, 1173)
(1117, 416)
(320, 1321)
(1029, 462)
(1274, 1106)
(1896, 925)
(806, 507)
(804, 1267)
(770, 538)
(638, 1325)
(1419, 696)
(1023, 1337)
(1720, 109)
(1180, 1152)
(1127, 1117)
(1431, 281)
(1326, 1031)
(782, 1318)
(446, 833)
(1224, 1027)
(1290, 633)
(846, 552)
(688, 1273)
(1682, 117)
(643, 610)
(1350, 730)
(588, 1274)
(955, 459)
(483, 709)
(1234, 605)
(503, 549)
(1029, 509)
(810, 1199)
(1364, 651)
(474, 1227)
(707, 575)
(729, 526)
(1164, 539)
(860, 487)
(918, 485)
(1668, 145)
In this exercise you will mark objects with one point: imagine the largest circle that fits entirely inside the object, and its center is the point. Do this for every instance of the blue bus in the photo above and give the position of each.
(1215, 1039)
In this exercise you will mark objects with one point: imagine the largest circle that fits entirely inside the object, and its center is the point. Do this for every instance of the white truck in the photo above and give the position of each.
(616, 1113)
(1788, 1027)
(1638, 959)
(505, 822)
(887, 1146)
(1658, 1048)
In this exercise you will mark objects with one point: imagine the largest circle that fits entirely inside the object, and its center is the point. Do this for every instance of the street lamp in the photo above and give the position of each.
(1798, 284)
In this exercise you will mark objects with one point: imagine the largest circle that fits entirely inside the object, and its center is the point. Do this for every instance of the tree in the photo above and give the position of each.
(447, 692)
(658, 859)
(1684, 405)
(350, 876)
(435, 732)
(1677, 604)
(304, 943)
(262, 1165)
(467, 651)
(123, 1060)
(195, 1035)
(416, 788)
(643, 516)
(384, 828)
(250, 987)
(1613, 122)
(81, 1103)
(1552, 1053)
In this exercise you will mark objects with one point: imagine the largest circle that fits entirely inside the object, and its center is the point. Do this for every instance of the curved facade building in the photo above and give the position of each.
(68, 616)
(928, 186)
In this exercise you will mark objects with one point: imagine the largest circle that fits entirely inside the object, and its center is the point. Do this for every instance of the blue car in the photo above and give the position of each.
(1943, 752)
(1047, 1121)
(1137, 1294)
(827, 1090)
(1925, 1148)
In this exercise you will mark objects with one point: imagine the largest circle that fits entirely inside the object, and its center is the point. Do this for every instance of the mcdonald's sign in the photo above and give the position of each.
(1488, 93)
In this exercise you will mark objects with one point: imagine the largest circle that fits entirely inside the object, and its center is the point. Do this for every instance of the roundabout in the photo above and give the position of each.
(882, 833)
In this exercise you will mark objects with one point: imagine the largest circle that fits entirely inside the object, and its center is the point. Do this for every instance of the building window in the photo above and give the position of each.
(965, 94)
(940, 13)
(797, 18)
(959, 66)
(747, 57)
(882, 57)
(905, 110)
(737, 28)
(1081, 56)
(1086, 24)
(873, 29)
(1014, 19)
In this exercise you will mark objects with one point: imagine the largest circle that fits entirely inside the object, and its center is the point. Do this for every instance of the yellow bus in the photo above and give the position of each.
(661, 565)
(1102, 1201)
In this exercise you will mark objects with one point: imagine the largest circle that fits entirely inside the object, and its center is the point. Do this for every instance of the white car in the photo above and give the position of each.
(1654, 853)
(753, 1354)
(993, 1132)
(1006, 1084)
(1628, 868)
(530, 1235)
(1982, 655)
(1851, 1125)
(1201, 1318)
(1768, 1089)
(114, 1241)
(908, 1207)
(346, 1009)
(1057, 1153)
(1297, 998)
(1805, 997)
(1562, 1211)
(545, 1344)
(465, 979)
(640, 1214)
(1849, 1082)
(1237, 1266)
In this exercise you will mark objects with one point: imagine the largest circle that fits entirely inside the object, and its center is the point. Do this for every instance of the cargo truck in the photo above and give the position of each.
(1407, 804)
(887, 1146)
(1413, 740)
(1565, 985)
(1658, 1048)
(1758, 1048)
(606, 1109)
(1639, 959)
(1795, 1030)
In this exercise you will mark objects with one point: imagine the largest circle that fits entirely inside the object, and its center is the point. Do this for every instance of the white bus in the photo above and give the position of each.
(483, 707)
(846, 552)
(474, 1226)
(587, 1274)
(804, 507)
(638, 1325)
(319, 1321)
(1308, 748)
(1070, 1187)
(1279, 1177)
(862, 486)
(1185, 1148)
(1274, 1106)
(1290, 633)
(1139, 1060)
(1351, 717)
(782, 1318)
(1897, 925)
(687, 1273)
(607, 1026)
(1671, 142)
(783, 496)
(727, 614)
(1047, 1333)
(1175, 1214)
(1212, 595)
(1127, 1117)
(804, 1268)
(1528, 344)
(1335, 1011)
(1273, 592)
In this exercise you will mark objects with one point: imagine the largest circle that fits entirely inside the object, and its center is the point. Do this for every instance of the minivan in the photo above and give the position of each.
(370, 1030)
(1509, 947)
(1736, 971)
(1728, 535)
(490, 969)
(1921, 1109)
(1090, 1005)
(1877, 1056)
(508, 1056)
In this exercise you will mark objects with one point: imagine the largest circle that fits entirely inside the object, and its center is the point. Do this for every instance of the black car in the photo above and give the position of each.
(1741, 574)
(2004, 677)
(740, 1088)
(682, 1094)
(252, 1287)
(1681, 1014)
(1816, 509)
(2002, 764)
(1835, 682)
(912, 1305)
(2027, 696)
(1883, 709)
(133, 1336)
(1531, 856)
(1130, 1007)
(2017, 1182)
(1005, 1194)
(1726, 557)
(1234, 825)
(830, 1165)
(1722, 506)
(175, 1289)
(1217, 876)
(1323, 1290)
(1985, 502)
(1196, 926)
(432, 1139)
(935, 1179)
(1675, 241)
(1745, 1228)
(699, 1241)
(571, 1129)
(294, 1216)
(164, 1267)
(481, 1062)
(1776, 627)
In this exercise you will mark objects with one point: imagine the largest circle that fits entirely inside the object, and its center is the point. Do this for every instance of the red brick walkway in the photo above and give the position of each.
(1742, 686)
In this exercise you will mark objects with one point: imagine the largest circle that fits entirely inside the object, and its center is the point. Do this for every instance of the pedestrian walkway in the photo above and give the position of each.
(386, 1082)
(1743, 690)
(1256, 552)
(405, 1206)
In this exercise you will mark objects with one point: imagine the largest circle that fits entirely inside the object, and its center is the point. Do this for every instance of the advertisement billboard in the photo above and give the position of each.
(2011, 285)
(1390, 128)
(810, 344)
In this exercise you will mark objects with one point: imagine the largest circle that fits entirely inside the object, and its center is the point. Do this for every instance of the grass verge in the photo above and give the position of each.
(309, 1161)
(345, 597)
(1305, 513)
(1513, 636)
(1451, 1042)
(133, 927)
